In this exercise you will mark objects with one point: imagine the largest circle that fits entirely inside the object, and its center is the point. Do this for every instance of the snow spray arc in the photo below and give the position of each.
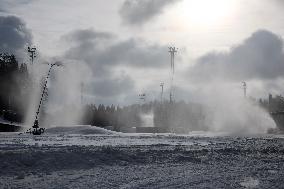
(36, 130)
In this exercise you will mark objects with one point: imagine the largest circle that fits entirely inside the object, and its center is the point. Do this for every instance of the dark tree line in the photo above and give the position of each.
(15, 90)
(178, 117)
(118, 118)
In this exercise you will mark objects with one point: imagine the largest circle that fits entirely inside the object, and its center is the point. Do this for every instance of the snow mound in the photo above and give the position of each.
(79, 129)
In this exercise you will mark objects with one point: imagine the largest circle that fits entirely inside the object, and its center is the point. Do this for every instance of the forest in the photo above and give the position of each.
(176, 117)
(15, 88)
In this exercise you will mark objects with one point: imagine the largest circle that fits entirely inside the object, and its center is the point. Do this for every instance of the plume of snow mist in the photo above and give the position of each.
(63, 104)
(147, 119)
(37, 73)
(228, 111)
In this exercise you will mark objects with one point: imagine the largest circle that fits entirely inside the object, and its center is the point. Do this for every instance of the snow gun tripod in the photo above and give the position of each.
(36, 130)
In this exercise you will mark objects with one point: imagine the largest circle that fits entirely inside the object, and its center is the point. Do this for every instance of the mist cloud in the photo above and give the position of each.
(279, 2)
(112, 87)
(259, 57)
(107, 57)
(135, 53)
(86, 35)
(6, 5)
(14, 35)
(102, 50)
(2, 10)
(135, 12)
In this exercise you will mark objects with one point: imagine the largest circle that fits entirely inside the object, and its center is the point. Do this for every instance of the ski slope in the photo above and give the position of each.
(91, 157)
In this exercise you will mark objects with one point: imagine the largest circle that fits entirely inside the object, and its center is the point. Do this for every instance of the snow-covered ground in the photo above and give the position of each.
(90, 157)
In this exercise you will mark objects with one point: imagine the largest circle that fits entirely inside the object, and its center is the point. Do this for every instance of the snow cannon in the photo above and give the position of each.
(36, 130)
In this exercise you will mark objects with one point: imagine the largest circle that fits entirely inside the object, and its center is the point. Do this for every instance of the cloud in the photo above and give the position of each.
(135, 53)
(6, 5)
(279, 2)
(112, 61)
(112, 87)
(259, 57)
(103, 52)
(135, 12)
(14, 35)
(86, 35)
(3, 10)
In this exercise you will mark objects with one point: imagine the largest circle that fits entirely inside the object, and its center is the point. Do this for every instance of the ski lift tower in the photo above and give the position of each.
(172, 51)
(245, 88)
(82, 91)
(162, 92)
(36, 130)
(142, 97)
(32, 53)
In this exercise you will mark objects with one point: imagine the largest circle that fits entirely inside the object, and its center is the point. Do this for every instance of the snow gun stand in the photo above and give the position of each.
(36, 130)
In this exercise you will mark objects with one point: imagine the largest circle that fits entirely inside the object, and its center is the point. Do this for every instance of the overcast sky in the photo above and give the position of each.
(123, 44)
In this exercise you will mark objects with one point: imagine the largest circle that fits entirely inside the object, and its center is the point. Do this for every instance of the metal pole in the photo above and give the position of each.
(172, 51)
(245, 88)
(82, 88)
(143, 97)
(32, 52)
(162, 92)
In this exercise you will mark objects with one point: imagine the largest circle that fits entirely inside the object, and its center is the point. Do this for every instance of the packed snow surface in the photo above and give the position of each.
(90, 157)
(78, 129)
